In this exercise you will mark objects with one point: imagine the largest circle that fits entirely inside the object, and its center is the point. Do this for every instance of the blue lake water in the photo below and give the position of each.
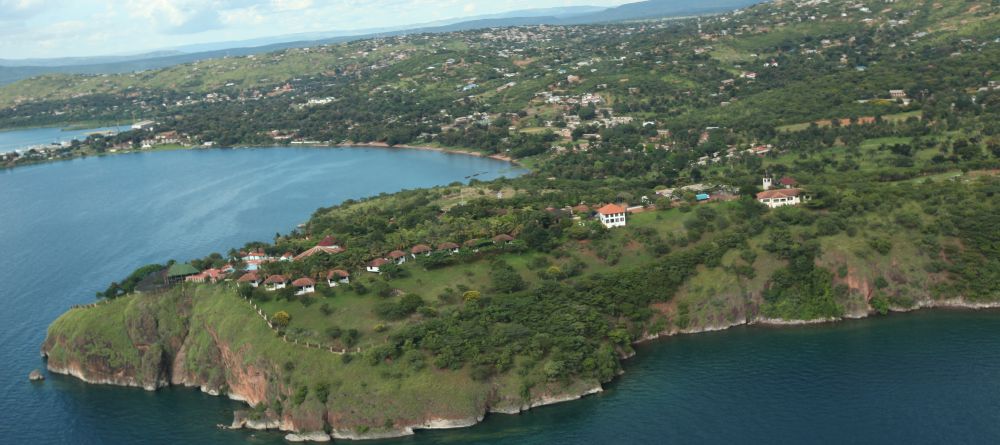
(16, 140)
(69, 228)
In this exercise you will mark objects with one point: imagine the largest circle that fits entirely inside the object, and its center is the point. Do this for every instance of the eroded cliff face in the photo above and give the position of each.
(152, 342)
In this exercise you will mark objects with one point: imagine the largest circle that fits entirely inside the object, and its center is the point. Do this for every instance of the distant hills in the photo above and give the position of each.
(14, 70)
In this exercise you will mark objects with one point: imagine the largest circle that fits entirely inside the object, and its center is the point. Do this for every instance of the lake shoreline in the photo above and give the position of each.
(382, 145)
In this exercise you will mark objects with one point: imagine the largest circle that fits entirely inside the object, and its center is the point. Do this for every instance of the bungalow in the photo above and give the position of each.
(475, 243)
(256, 255)
(250, 277)
(503, 238)
(781, 197)
(612, 215)
(375, 266)
(398, 256)
(449, 247)
(288, 256)
(304, 285)
(420, 249)
(338, 276)
(275, 282)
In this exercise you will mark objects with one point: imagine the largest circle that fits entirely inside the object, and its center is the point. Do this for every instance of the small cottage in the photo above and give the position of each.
(304, 285)
(275, 282)
(250, 278)
(398, 256)
(338, 276)
(375, 266)
(420, 249)
(451, 248)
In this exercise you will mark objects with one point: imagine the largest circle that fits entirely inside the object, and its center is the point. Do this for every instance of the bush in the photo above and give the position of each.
(281, 319)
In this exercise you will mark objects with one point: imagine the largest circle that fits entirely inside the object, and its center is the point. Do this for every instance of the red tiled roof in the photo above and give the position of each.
(611, 209)
(340, 273)
(447, 246)
(248, 277)
(327, 241)
(303, 282)
(788, 181)
(275, 279)
(471, 242)
(503, 238)
(397, 254)
(378, 262)
(778, 193)
(421, 248)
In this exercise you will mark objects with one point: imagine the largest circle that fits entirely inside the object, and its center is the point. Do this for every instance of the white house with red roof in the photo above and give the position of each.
(785, 195)
(338, 276)
(304, 285)
(375, 266)
(275, 282)
(612, 215)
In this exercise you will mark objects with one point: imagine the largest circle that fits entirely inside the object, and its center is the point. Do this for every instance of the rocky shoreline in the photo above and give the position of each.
(302, 433)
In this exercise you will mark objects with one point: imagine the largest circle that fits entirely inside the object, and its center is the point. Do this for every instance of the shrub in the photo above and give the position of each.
(281, 319)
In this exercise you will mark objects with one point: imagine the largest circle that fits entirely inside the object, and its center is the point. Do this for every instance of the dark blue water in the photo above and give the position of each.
(68, 228)
(11, 140)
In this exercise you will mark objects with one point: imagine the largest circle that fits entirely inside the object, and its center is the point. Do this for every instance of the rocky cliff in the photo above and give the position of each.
(203, 338)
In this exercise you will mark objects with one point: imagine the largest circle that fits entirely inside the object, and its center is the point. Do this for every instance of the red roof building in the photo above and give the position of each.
(612, 215)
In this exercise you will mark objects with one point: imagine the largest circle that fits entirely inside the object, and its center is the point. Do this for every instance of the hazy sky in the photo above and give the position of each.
(57, 28)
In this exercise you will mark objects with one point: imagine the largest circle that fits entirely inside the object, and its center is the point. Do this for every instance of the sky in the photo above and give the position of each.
(64, 28)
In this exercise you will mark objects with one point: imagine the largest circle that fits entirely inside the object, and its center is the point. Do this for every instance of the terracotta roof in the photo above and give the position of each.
(582, 208)
(471, 242)
(447, 246)
(340, 273)
(421, 248)
(611, 209)
(788, 181)
(248, 277)
(378, 262)
(275, 279)
(778, 193)
(318, 249)
(397, 254)
(303, 282)
(503, 238)
(327, 241)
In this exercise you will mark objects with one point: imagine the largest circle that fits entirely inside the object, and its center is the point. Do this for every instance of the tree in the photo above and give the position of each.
(505, 278)
(281, 319)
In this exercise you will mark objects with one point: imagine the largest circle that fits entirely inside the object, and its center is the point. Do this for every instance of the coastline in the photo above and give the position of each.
(456, 151)
(552, 399)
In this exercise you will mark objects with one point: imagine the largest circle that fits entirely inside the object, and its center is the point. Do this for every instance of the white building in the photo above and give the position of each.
(781, 197)
(612, 215)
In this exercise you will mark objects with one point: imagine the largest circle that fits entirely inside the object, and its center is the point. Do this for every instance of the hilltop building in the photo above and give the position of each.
(612, 215)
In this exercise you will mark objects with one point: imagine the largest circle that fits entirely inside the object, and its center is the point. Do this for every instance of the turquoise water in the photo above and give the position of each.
(68, 228)
(11, 140)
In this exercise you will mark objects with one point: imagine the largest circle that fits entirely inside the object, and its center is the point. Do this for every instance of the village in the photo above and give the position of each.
(247, 267)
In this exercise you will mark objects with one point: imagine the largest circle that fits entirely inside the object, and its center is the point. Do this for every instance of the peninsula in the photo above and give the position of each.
(789, 163)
